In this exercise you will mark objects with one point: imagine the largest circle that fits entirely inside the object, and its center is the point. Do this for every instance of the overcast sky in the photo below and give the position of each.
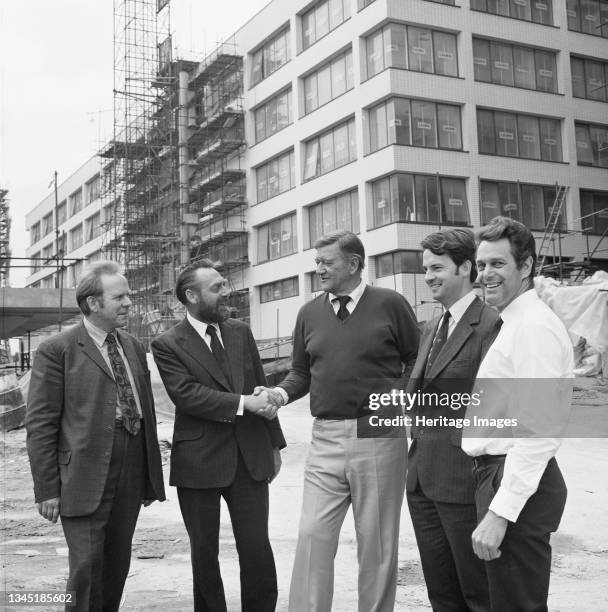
(56, 80)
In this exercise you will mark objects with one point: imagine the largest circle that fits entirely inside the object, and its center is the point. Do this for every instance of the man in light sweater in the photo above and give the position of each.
(343, 340)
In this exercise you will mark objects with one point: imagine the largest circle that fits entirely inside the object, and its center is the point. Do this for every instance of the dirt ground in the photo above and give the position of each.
(34, 555)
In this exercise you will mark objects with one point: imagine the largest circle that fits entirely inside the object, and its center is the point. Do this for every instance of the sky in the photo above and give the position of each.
(56, 81)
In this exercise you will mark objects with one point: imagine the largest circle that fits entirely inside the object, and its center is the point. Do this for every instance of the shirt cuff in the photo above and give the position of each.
(241, 409)
(508, 504)
(283, 394)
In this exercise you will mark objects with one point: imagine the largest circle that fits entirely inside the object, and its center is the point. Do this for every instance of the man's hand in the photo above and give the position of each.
(488, 536)
(259, 404)
(277, 463)
(147, 502)
(273, 402)
(49, 509)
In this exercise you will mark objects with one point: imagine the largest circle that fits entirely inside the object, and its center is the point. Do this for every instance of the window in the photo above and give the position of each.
(525, 136)
(93, 227)
(76, 237)
(588, 16)
(76, 202)
(515, 66)
(323, 18)
(330, 150)
(594, 210)
(538, 11)
(47, 224)
(592, 145)
(527, 203)
(273, 54)
(92, 189)
(35, 262)
(364, 3)
(47, 253)
(273, 116)
(275, 176)
(279, 290)
(62, 213)
(413, 122)
(589, 78)
(411, 48)
(277, 238)
(419, 198)
(338, 213)
(35, 233)
(110, 212)
(399, 262)
(328, 82)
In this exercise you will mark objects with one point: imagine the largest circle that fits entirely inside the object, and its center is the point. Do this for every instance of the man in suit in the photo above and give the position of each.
(91, 438)
(343, 340)
(221, 446)
(439, 482)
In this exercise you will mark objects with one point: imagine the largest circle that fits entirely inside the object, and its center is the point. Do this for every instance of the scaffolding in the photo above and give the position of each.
(5, 235)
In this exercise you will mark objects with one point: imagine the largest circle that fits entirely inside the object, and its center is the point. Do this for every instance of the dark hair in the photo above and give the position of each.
(187, 278)
(90, 282)
(457, 243)
(519, 236)
(349, 244)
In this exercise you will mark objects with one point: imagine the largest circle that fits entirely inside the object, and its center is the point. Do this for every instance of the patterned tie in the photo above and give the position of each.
(219, 353)
(126, 398)
(438, 342)
(342, 311)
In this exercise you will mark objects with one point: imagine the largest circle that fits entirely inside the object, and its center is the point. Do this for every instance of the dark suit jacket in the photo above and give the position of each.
(208, 434)
(435, 457)
(70, 417)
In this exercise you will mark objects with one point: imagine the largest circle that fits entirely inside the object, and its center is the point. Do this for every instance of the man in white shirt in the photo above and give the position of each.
(520, 492)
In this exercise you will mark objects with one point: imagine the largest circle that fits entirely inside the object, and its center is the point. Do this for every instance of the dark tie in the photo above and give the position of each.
(438, 342)
(219, 353)
(342, 311)
(126, 398)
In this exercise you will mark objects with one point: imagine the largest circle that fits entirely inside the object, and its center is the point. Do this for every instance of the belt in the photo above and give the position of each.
(485, 460)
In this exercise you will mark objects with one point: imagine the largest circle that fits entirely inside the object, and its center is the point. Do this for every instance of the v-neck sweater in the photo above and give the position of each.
(341, 362)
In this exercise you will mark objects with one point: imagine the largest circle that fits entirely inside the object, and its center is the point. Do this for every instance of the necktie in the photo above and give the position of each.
(219, 353)
(126, 398)
(439, 341)
(343, 311)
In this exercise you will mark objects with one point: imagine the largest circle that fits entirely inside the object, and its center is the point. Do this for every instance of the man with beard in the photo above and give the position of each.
(225, 444)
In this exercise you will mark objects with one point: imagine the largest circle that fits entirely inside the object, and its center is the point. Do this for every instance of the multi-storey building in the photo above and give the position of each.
(390, 118)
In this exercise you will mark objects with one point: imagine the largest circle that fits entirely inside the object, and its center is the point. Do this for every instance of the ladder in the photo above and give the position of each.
(554, 215)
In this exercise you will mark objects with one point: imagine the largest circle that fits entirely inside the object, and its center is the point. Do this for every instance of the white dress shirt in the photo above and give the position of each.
(201, 329)
(354, 295)
(99, 339)
(457, 310)
(534, 353)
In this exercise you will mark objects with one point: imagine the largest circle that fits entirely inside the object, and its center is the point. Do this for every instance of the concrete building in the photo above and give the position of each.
(391, 118)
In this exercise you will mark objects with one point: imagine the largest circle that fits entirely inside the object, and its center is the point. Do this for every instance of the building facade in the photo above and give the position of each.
(390, 118)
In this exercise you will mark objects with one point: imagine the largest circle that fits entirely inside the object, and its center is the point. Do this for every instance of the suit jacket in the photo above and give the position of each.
(208, 435)
(436, 460)
(70, 416)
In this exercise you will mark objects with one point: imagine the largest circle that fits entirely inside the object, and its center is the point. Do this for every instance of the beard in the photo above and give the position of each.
(213, 314)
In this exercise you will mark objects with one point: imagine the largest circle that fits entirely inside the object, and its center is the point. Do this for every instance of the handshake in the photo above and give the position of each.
(264, 402)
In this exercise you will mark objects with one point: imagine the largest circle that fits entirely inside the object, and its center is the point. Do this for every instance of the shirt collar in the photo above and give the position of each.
(518, 307)
(201, 326)
(97, 334)
(458, 309)
(355, 294)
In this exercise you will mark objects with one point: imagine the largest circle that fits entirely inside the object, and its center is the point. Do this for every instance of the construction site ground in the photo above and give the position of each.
(34, 555)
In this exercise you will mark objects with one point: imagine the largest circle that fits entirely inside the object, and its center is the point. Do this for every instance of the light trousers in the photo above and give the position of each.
(368, 473)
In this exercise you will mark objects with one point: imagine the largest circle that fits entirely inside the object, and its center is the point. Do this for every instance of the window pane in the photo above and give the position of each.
(594, 80)
(311, 100)
(322, 15)
(354, 200)
(381, 202)
(315, 222)
(424, 128)
(273, 178)
(348, 60)
(590, 13)
(329, 216)
(377, 128)
(523, 63)
(604, 19)
(395, 46)
(485, 132)
(427, 199)
(584, 154)
(336, 14)
(262, 183)
(256, 67)
(502, 64)
(384, 265)
(545, 71)
(528, 135)
(343, 212)
(521, 9)
(420, 52)
(505, 129)
(577, 67)
(532, 204)
(312, 163)
(260, 124)
(283, 110)
(550, 140)
(405, 190)
(481, 60)
(324, 85)
(341, 145)
(326, 144)
(454, 198)
(284, 174)
(599, 145)
(275, 239)
(499, 7)
(479, 5)
(574, 17)
(490, 202)
(338, 77)
(352, 141)
(542, 11)
(399, 123)
(375, 63)
(509, 200)
(271, 117)
(448, 120)
(445, 53)
(308, 29)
